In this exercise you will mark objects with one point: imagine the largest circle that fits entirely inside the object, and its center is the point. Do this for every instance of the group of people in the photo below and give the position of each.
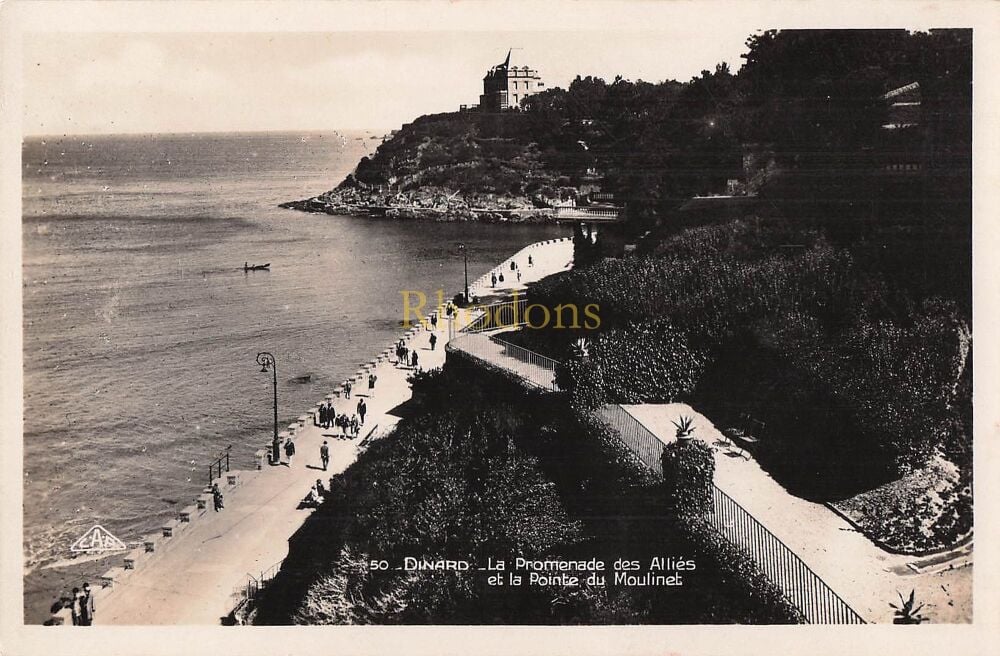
(328, 416)
(494, 278)
(316, 495)
(406, 357)
(82, 606)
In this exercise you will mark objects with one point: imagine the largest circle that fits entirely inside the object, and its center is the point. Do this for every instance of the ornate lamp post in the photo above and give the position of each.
(266, 361)
(465, 255)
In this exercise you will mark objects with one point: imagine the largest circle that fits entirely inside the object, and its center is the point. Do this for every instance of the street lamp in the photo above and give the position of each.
(465, 255)
(266, 360)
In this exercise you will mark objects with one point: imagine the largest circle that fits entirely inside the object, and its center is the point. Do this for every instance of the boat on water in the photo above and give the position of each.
(256, 267)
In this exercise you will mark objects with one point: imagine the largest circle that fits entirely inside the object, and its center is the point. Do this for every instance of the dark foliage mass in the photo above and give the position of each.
(484, 469)
(688, 472)
(853, 383)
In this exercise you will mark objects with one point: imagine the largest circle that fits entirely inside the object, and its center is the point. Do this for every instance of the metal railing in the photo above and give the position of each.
(216, 465)
(529, 357)
(508, 314)
(818, 603)
(637, 438)
(800, 585)
(248, 594)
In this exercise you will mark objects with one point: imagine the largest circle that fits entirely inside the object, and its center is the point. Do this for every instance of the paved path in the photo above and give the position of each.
(535, 369)
(192, 576)
(862, 573)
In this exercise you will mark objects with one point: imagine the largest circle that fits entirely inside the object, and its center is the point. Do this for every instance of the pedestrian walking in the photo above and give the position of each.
(355, 425)
(324, 455)
(372, 379)
(519, 275)
(76, 607)
(87, 616)
(289, 450)
(362, 410)
(434, 321)
(434, 340)
(217, 500)
(493, 278)
(531, 262)
(347, 389)
(413, 360)
(323, 417)
(331, 414)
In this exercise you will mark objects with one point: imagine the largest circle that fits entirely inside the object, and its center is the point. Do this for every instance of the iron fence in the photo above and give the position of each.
(215, 468)
(803, 587)
(248, 594)
(508, 314)
(529, 357)
(817, 602)
(636, 437)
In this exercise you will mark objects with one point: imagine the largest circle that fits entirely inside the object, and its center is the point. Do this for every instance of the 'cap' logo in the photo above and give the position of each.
(98, 539)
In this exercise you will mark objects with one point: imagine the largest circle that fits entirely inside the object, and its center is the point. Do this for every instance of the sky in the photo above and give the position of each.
(126, 82)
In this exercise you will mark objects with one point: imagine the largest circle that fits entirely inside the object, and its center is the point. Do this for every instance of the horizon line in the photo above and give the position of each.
(197, 132)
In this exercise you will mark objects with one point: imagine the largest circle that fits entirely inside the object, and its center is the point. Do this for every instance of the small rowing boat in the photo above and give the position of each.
(256, 267)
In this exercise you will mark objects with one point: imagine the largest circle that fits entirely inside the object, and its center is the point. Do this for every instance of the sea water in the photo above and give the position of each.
(141, 327)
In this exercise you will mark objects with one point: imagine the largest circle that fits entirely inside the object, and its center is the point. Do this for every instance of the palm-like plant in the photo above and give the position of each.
(580, 348)
(684, 428)
(905, 612)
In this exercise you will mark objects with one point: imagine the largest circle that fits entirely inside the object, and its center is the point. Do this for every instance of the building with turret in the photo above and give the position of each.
(506, 85)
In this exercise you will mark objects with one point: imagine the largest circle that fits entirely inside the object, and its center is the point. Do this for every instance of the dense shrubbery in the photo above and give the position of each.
(845, 373)
(531, 476)
(638, 363)
(688, 472)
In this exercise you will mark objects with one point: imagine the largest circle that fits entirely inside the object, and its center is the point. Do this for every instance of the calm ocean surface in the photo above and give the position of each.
(141, 328)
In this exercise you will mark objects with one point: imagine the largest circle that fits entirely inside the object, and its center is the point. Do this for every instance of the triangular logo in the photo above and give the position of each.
(98, 539)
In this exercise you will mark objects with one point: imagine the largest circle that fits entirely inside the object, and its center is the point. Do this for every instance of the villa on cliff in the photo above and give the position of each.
(506, 85)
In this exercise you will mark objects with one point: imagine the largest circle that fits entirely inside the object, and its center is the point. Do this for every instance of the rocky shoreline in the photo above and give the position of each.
(427, 204)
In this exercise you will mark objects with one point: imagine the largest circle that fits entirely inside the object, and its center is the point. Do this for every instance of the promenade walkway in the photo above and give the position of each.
(191, 577)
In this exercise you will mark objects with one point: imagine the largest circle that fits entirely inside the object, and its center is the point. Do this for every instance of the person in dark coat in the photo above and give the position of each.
(289, 450)
(331, 414)
(76, 606)
(362, 409)
(323, 416)
(434, 340)
(347, 389)
(217, 499)
(414, 359)
(493, 278)
(87, 617)
(324, 455)
(372, 379)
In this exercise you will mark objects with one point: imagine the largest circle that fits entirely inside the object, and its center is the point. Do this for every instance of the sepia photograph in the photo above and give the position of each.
(468, 317)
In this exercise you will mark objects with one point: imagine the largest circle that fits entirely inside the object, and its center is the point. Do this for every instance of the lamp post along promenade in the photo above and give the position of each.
(267, 361)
